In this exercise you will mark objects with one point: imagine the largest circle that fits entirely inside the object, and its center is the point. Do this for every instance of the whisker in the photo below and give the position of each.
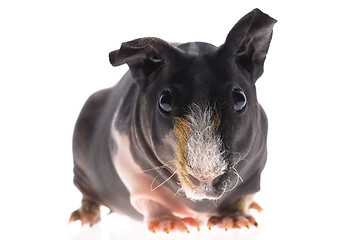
(236, 153)
(238, 156)
(236, 172)
(215, 202)
(235, 185)
(166, 165)
(177, 192)
(151, 186)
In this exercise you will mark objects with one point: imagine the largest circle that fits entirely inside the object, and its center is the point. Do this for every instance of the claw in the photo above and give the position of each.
(256, 206)
(213, 221)
(252, 221)
(241, 222)
(191, 222)
(74, 216)
(82, 219)
(92, 220)
(227, 223)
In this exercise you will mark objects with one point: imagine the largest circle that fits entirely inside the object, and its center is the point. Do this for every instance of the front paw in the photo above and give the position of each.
(160, 219)
(171, 223)
(233, 220)
(89, 212)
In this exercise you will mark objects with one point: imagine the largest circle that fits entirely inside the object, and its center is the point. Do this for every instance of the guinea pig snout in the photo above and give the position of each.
(207, 174)
(201, 157)
(211, 189)
(209, 181)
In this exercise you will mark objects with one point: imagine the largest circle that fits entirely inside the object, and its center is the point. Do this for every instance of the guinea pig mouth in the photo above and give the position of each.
(210, 191)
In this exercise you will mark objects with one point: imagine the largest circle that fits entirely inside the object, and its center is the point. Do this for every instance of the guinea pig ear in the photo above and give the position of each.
(143, 56)
(249, 40)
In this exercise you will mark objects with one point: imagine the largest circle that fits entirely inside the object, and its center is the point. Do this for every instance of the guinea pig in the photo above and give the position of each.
(180, 140)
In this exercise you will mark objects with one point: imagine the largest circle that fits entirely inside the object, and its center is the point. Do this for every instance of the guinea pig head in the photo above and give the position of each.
(198, 103)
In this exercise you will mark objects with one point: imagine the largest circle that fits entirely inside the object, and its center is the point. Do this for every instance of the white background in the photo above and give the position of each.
(54, 54)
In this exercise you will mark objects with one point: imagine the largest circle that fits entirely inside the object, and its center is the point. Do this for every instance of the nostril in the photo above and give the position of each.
(217, 180)
(194, 180)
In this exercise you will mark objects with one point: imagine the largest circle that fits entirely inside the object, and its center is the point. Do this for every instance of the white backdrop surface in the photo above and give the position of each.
(54, 54)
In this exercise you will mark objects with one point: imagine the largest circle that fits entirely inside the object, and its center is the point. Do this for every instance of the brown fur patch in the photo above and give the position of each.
(181, 131)
(216, 121)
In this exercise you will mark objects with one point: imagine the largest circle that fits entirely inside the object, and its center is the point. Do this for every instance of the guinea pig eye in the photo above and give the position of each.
(165, 101)
(239, 99)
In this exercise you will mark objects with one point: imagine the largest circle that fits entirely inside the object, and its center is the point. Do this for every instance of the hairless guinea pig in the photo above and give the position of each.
(181, 139)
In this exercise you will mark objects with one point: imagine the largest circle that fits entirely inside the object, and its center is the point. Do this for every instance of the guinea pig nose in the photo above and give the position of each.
(217, 180)
(194, 180)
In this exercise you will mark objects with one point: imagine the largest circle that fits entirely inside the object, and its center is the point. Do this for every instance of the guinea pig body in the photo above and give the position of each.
(181, 138)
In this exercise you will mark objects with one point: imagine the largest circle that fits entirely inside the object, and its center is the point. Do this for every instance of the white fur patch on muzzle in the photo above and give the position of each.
(200, 151)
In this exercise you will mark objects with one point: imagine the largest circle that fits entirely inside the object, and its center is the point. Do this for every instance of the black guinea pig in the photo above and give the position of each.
(181, 138)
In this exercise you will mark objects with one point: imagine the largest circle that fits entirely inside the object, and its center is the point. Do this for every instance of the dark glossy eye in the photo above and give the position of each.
(239, 99)
(165, 101)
